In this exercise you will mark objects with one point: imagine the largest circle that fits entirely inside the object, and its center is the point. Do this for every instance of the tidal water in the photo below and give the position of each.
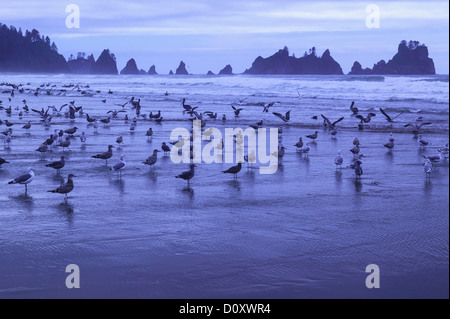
(307, 231)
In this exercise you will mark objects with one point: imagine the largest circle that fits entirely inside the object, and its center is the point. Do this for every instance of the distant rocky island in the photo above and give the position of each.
(105, 64)
(283, 63)
(34, 53)
(411, 58)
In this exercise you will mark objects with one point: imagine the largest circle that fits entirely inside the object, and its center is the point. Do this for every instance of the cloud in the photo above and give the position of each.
(176, 17)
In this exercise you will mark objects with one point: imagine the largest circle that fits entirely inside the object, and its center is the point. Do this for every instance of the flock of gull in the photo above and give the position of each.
(64, 138)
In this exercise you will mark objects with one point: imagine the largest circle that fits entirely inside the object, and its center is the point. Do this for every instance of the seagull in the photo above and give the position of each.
(299, 144)
(27, 126)
(428, 168)
(58, 165)
(71, 131)
(155, 116)
(306, 150)
(339, 160)
(355, 150)
(65, 144)
(353, 108)
(115, 113)
(90, 119)
(55, 134)
(7, 139)
(3, 161)
(211, 115)
(422, 142)
(266, 107)
(165, 148)
(83, 138)
(106, 155)
(106, 121)
(187, 175)
(186, 106)
(358, 169)
(241, 100)
(43, 148)
(119, 140)
(8, 124)
(388, 118)
(390, 145)
(284, 118)
(356, 142)
(180, 143)
(236, 111)
(24, 179)
(152, 159)
(435, 159)
(444, 150)
(65, 188)
(281, 152)
(313, 136)
(119, 166)
(149, 133)
(330, 125)
(133, 126)
(251, 157)
(234, 169)
(417, 127)
(47, 121)
(358, 158)
(367, 118)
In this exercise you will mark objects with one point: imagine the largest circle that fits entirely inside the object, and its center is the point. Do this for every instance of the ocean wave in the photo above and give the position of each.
(412, 99)
(445, 80)
(375, 78)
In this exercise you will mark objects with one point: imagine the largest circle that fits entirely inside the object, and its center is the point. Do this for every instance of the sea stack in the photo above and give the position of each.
(181, 70)
(152, 70)
(411, 59)
(81, 65)
(130, 68)
(105, 64)
(227, 70)
(283, 63)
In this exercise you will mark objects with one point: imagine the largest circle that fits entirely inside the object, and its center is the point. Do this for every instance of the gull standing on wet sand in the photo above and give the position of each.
(119, 166)
(106, 155)
(24, 179)
(339, 160)
(152, 159)
(427, 168)
(65, 188)
(313, 136)
(234, 170)
(58, 165)
(390, 145)
(187, 175)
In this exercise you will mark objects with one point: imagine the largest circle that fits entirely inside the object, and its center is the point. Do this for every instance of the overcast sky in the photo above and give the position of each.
(208, 34)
